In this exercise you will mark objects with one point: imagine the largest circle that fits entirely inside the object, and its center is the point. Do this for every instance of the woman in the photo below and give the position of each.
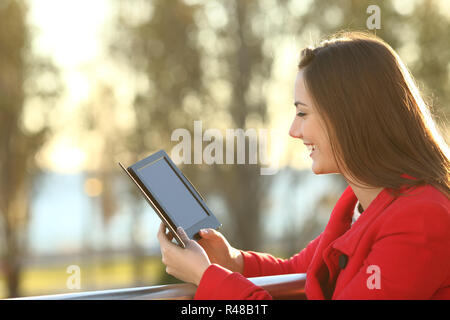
(359, 111)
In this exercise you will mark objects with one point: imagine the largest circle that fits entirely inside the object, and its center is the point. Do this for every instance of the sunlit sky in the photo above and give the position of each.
(73, 34)
(70, 32)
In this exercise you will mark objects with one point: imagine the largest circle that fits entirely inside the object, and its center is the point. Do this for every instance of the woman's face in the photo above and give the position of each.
(309, 127)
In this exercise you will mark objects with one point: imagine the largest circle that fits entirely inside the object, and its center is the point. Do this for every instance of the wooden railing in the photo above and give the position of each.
(289, 286)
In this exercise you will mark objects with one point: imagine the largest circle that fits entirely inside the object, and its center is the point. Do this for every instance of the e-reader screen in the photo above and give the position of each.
(171, 193)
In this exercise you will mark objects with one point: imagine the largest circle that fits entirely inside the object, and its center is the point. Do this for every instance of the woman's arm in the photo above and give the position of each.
(258, 264)
(193, 264)
(220, 283)
(250, 263)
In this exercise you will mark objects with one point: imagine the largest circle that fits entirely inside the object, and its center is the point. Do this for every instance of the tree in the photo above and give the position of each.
(248, 70)
(20, 71)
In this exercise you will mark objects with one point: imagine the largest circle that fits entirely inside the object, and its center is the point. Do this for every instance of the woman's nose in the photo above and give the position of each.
(295, 130)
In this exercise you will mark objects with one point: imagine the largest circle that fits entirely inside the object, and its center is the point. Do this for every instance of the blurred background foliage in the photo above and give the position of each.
(163, 65)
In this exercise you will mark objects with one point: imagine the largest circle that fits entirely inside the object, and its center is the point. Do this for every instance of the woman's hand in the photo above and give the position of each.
(219, 250)
(186, 264)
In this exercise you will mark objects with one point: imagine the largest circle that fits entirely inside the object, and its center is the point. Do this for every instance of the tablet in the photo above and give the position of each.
(173, 197)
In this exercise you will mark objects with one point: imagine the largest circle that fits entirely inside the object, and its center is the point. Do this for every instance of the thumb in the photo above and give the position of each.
(209, 233)
(183, 235)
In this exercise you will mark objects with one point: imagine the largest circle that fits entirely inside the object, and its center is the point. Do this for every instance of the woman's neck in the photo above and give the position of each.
(365, 195)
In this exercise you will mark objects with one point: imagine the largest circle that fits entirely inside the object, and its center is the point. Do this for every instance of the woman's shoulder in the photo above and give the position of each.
(425, 207)
(425, 195)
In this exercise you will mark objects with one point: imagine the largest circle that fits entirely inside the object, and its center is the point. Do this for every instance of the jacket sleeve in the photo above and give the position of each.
(218, 283)
(262, 264)
(409, 259)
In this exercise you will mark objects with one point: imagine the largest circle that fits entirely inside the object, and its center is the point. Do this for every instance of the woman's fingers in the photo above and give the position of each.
(209, 234)
(185, 264)
(165, 239)
(167, 247)
(161, 233)
(183, 235)
(169, 236)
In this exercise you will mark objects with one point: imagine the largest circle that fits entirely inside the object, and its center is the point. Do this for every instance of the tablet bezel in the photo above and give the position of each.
(209, 221)
(155, 208)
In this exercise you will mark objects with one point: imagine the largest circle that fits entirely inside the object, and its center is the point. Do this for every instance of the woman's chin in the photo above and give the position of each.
(318, 169)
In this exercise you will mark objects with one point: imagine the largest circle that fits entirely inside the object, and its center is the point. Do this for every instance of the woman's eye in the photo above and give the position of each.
(301, 114)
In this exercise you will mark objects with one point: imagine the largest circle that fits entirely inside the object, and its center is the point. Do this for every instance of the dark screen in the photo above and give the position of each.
(171, 193)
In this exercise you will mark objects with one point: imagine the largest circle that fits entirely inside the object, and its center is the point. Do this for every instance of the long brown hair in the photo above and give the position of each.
(379, 126)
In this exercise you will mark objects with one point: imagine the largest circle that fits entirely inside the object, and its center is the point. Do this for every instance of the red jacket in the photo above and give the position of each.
(399, 248)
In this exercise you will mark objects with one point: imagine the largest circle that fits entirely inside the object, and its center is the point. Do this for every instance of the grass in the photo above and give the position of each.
(93, 276)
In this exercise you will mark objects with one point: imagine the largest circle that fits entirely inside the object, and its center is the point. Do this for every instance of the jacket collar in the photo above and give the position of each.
(338, 223)
(349, 241)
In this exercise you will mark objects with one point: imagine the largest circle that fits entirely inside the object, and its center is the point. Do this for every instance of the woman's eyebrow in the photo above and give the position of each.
(296, 103)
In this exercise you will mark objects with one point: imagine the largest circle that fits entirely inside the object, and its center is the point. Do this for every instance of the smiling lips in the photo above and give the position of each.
(311, 147)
